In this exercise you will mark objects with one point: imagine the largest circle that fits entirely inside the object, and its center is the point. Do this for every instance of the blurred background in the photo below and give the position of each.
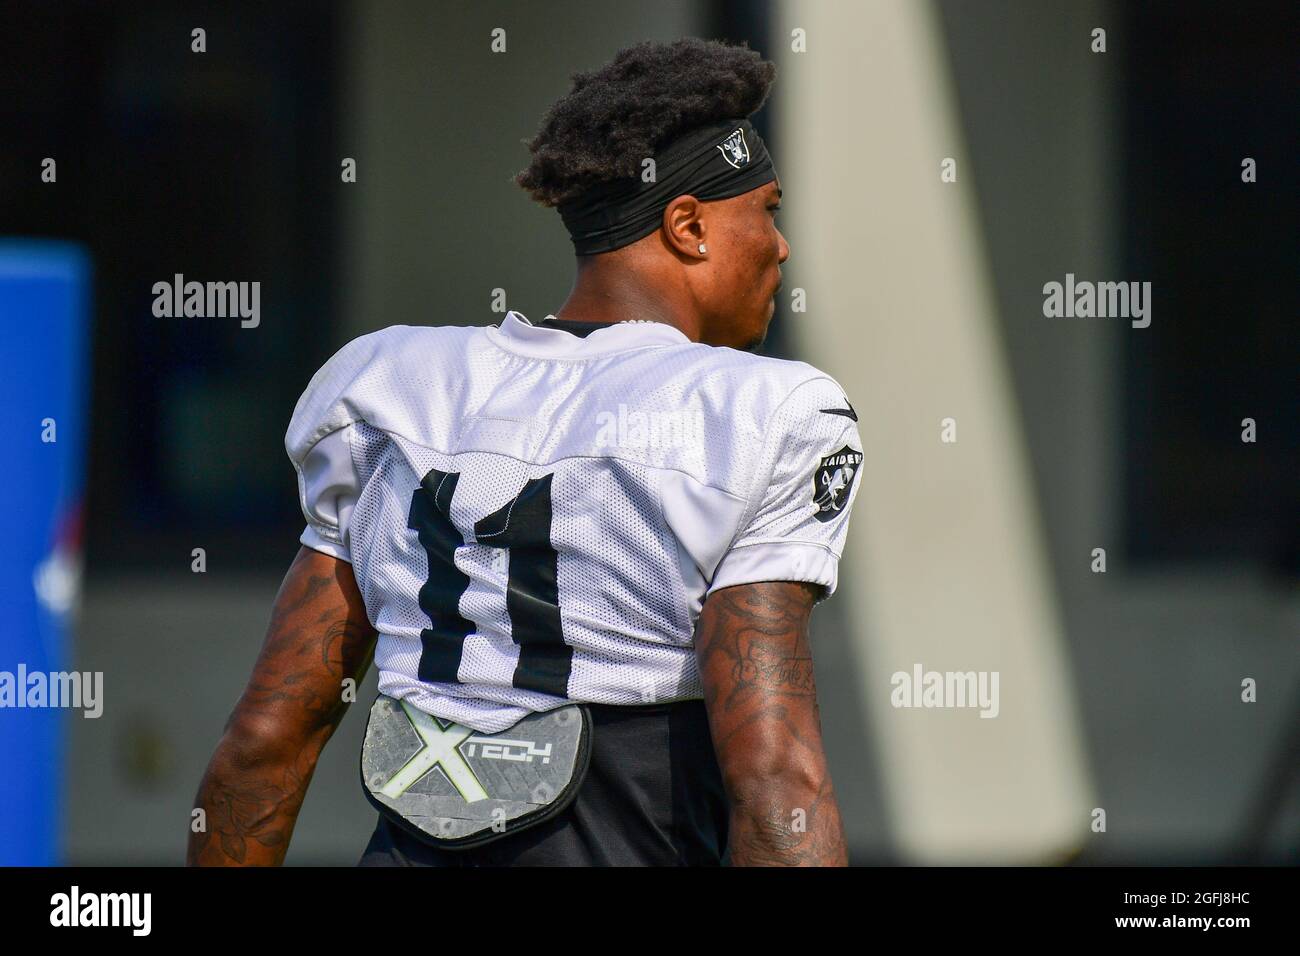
(941, 161)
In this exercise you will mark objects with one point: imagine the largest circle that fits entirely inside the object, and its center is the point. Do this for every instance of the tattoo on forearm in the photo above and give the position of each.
(318, 636)
(259, 811)
(769, 834)
(757, 671)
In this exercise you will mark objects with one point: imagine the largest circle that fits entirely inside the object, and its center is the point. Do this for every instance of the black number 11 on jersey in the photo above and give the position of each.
(522, 527)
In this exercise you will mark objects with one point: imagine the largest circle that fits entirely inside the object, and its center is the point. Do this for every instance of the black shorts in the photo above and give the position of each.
(652, 797)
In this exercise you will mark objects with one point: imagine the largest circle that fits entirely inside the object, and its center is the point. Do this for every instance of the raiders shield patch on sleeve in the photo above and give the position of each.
(833, 481)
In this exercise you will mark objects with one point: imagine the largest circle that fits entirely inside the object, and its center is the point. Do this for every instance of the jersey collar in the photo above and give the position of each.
(517, 334)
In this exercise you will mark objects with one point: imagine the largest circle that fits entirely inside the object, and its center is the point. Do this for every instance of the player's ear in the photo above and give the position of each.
(684, 227)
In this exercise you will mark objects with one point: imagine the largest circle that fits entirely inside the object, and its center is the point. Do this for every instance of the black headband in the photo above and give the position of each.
(718, 161)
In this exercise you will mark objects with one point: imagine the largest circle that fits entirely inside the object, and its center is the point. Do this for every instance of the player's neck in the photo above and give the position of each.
(600, 297)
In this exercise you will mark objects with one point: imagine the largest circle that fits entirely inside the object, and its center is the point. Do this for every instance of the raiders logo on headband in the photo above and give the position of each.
(833, 482)
(734, 149)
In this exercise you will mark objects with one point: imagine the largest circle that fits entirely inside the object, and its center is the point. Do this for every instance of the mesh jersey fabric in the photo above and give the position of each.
(535, 517)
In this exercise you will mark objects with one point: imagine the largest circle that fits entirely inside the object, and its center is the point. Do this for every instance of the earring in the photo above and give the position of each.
(702, 248)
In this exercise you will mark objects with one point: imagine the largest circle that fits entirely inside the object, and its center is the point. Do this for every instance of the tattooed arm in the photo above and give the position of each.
(255, 783)
(756, 666)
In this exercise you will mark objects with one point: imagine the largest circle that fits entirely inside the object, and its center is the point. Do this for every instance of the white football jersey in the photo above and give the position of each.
(535, 517)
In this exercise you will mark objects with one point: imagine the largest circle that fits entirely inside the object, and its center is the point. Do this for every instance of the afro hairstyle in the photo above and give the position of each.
(616, 116)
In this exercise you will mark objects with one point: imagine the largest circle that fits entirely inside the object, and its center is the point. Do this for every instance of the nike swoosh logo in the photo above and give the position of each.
(846, 412)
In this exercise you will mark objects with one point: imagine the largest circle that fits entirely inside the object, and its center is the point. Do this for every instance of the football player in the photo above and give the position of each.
(583, 552)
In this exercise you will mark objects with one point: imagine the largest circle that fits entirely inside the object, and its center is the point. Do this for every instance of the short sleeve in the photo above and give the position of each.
(327, 490)
(797, 517)
(319, 443)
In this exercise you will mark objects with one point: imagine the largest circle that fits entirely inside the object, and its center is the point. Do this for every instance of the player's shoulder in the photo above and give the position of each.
(394, 347)
(760, 384)
(395, 352)
(369, 371)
